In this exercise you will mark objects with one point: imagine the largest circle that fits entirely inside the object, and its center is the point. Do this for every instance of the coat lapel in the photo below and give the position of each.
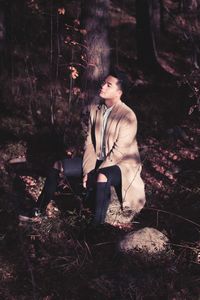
(98, 125)
(111, 120)
(112, 117)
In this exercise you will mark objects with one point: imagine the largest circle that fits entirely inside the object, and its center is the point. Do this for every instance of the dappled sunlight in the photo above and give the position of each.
(164, 164)
(32, 186)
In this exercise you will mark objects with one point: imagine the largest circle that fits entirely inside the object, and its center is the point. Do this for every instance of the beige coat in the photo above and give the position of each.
(121, 150)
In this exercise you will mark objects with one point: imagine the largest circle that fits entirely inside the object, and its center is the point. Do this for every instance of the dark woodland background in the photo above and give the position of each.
(53, 56)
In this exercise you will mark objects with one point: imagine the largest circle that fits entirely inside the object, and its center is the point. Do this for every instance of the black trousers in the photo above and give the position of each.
(98, 193)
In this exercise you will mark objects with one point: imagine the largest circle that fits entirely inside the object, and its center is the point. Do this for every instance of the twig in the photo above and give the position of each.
(173, 214)
(58, 45)
(88, 249)
(105, 243)
(185, 247)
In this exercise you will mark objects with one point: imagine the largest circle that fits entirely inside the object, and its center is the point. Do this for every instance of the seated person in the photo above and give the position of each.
(111, 155)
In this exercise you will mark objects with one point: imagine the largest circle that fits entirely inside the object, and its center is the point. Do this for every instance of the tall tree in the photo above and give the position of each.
(2, 37)
(5, 35)
(190, 11)
(2, 28)
(95, 22)
(147, 31)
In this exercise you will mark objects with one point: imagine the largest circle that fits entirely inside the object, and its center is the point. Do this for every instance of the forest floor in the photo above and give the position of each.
(61, 255)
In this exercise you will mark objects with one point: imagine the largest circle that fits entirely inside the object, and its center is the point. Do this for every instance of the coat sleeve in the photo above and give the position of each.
(121, 149)
(89, 157)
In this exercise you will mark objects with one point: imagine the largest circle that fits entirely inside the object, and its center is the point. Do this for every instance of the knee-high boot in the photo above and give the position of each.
(102, 200)
(49, 189)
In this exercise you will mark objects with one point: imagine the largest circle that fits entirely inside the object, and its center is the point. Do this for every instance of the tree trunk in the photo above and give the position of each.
(94, 20)
(162, 21)
(5, 36)
(12, 30)
(2, 38)
(147, 31)
(2, 29)
(189, 8)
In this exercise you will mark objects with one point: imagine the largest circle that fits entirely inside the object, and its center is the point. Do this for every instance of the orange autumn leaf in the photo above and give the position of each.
(61, 11)
(74, 72)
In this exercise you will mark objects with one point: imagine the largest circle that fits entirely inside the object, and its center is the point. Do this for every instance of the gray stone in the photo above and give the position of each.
(147, 240)
(115, 215)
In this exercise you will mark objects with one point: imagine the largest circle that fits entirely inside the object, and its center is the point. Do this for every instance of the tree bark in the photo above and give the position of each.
(147, 32)
(95, 22)
(162, 15)
(5, 36)
(2, 29)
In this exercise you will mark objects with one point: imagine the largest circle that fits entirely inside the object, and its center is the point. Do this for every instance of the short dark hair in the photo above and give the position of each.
(123, 81)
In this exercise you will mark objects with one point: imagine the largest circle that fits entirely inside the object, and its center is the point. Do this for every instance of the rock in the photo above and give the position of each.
(147, 240)
(115, 215)
(145, 248)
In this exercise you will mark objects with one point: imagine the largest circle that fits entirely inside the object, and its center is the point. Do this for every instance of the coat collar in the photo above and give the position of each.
(114, 112)
(99, 118)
